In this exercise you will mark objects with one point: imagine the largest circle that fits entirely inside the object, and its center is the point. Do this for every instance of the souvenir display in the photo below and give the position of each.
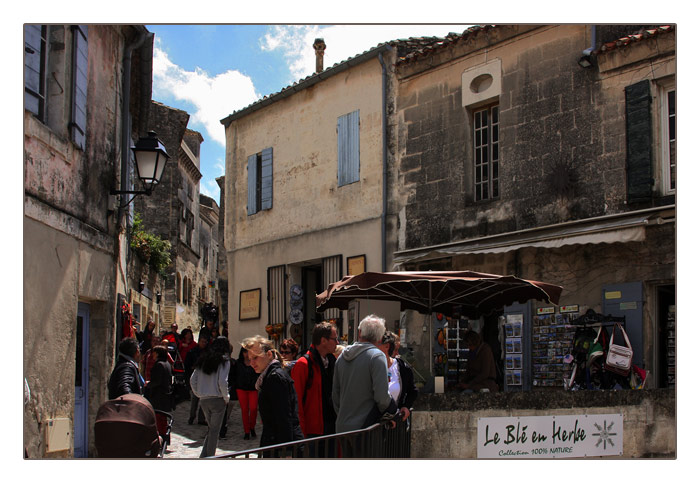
(552, 342)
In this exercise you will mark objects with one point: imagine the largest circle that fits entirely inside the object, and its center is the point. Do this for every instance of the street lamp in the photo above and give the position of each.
(151, 157)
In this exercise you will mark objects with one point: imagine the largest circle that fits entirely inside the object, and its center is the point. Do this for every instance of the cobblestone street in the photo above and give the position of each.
(186, 440)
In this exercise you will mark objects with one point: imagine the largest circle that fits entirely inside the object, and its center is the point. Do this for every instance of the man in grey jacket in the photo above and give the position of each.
(361, 381)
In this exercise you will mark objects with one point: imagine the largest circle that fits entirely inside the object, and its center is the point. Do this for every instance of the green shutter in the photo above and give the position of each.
(639, 142)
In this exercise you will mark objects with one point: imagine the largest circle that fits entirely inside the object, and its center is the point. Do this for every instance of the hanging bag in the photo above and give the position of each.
(619, 358)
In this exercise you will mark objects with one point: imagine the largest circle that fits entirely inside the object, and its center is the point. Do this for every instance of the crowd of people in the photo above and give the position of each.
(325, 390)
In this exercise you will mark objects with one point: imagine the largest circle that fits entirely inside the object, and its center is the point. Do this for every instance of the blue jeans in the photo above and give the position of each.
(214, 409)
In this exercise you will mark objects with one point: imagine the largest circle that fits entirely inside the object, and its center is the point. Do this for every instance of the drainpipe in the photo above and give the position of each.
(384, 159)
(125, 145)
(589, 50)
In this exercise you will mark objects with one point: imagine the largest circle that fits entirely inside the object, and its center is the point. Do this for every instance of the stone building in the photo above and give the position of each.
(546, 152)
(86, 100)
(174, 212)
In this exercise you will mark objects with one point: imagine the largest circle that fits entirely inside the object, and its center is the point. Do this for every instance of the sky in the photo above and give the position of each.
(211, 71)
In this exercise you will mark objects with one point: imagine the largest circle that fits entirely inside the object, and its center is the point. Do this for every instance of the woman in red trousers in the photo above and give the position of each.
(245, 378)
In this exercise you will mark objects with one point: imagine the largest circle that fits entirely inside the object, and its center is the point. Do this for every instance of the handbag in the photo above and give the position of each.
(619, 358)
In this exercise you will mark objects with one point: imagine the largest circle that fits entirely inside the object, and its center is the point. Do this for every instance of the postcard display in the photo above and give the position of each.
(552, 340)
(449, 350)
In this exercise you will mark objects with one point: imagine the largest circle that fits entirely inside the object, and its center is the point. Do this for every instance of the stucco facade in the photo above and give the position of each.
(311, 217)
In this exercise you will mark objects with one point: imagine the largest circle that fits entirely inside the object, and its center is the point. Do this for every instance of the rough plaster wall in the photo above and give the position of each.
(649, 428)
(70, 271)
(301, 129)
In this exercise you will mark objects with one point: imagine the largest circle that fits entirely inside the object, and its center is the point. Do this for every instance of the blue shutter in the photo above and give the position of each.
(349, 148)
(34, 68)
(266, 181)
(80, 80)
(252, 184)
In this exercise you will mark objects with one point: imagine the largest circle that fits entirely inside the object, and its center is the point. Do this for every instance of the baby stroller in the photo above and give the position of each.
(128, 427)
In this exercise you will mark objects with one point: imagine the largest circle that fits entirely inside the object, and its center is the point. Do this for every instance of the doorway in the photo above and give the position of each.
(312, 281)
(666, 335)
(82, 358)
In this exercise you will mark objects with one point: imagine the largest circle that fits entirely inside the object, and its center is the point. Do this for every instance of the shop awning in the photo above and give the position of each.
(619, 228)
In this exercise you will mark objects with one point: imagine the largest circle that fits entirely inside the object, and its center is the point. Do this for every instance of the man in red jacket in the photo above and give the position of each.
(313, 381)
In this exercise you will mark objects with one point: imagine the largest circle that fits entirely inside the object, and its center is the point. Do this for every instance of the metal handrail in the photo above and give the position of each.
(376, 441)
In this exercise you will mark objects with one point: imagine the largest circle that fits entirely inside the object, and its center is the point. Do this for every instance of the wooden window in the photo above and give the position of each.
(260, 181)
(79, 93)
(35, 58)
(348, 129)
(276, 295)
(638, 124)
(668, 138)
(486, 153)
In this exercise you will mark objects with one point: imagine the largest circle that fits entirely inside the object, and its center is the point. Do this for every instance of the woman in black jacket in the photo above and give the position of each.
(159, 390)
(277, 399)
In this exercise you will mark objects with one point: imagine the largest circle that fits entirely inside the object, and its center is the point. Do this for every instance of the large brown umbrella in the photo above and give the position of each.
(473, 293)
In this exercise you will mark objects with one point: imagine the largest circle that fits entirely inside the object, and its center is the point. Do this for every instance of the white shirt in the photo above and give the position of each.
(394, 381)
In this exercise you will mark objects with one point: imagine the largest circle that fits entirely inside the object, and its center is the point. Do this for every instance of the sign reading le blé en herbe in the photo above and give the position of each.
(550, 436)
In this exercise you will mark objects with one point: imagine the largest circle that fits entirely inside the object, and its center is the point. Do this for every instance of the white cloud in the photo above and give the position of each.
(214, 97)
(342, 41)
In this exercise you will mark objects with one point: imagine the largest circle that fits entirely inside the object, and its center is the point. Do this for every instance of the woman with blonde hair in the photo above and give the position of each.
(277, 399)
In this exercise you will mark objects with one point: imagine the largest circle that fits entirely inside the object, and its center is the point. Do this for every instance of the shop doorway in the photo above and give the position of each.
(666, 335)
(82, 358)
(312, 283)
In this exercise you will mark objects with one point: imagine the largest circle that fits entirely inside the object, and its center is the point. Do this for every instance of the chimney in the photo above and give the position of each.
(319, 47)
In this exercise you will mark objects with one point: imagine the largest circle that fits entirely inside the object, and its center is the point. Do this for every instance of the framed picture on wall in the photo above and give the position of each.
(356, 265)
(249, 304)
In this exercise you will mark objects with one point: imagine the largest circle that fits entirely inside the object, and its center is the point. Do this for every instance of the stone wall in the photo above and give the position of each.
(561, 135)
(444, 425)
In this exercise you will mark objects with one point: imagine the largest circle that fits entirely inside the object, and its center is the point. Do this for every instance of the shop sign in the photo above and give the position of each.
(545, 310)
(568, 309)
(569, 436)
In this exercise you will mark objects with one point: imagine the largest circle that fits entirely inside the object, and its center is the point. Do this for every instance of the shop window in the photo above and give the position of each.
(486, 153)
(260, 181)
(348, 129)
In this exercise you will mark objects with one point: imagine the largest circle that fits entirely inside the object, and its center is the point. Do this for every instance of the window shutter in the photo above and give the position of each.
(266, 175)
(639, 141)
(349, 148)
(252, 184)
(79, 94)
(34, 68)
